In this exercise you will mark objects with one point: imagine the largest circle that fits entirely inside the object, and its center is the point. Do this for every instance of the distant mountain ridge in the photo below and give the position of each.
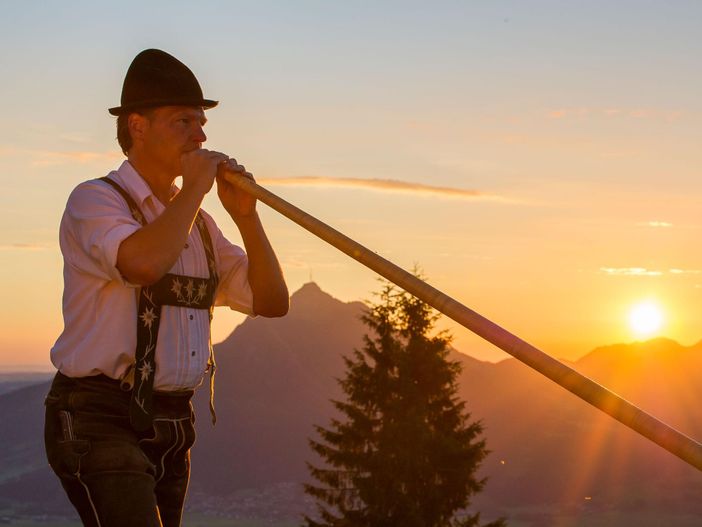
(10, 381)
(275, 378)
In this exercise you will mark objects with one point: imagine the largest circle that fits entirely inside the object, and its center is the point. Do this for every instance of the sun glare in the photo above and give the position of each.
(645, 319)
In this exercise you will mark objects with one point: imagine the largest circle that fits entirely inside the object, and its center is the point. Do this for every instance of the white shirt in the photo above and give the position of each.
(99, 305)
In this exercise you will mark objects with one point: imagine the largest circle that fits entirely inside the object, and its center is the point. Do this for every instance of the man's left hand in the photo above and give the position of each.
(238, 203)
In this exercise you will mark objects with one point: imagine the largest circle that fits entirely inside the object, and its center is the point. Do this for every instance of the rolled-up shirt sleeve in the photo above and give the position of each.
(96, 221)
(233, 289)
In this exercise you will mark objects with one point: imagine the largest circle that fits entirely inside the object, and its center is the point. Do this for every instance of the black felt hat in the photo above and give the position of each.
(156, 78)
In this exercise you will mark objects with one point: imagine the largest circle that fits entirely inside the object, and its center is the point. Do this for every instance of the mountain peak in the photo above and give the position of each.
(309, 293)
(310, 288)
(310, 298)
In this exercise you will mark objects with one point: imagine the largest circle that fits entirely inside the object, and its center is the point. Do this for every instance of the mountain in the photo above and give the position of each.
(10, 381)
(274, 381)
(26, 483)
(559, 450)
(551, 452)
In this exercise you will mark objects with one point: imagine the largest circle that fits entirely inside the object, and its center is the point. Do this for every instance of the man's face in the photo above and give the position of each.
(171, 131)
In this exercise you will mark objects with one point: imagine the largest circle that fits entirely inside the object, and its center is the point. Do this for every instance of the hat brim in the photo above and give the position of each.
(129, 108)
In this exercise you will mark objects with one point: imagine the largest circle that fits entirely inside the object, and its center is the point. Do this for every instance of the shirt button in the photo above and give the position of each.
(187, 246)
(191, 317)
(193, 353)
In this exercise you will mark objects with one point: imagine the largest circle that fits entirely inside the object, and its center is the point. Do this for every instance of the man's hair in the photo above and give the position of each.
(124, 138)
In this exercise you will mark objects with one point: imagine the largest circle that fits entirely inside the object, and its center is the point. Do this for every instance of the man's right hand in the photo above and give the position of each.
(199, 169)
(150, 252)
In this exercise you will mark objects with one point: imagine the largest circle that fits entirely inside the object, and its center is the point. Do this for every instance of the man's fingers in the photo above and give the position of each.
(236, 167)
(210, 155)
(229, 164)
(220, 157)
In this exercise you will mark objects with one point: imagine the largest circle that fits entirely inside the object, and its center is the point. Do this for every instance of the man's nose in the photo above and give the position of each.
(199, 135)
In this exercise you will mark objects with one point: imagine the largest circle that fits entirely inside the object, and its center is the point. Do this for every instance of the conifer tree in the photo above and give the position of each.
(403, 451)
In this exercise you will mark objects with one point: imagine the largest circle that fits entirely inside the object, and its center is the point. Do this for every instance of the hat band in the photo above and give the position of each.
(169, 101)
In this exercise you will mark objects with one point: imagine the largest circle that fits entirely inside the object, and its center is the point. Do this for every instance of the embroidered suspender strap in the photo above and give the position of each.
(174, 290)
(209, 253)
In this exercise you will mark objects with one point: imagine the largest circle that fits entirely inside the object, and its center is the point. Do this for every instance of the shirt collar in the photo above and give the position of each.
(133, 183)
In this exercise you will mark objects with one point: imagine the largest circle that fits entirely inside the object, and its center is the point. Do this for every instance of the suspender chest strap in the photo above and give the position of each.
(170, 290)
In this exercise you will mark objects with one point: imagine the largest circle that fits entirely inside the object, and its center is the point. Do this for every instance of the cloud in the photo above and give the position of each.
(7, 151)
(642, 271)
(563, 113)
(685, 271)
(297, 263)
(630, 271)
(615, 113)
(383, 185)
(44, 158)
(50, 158)
(23, 247)
(74, 138)
(655, 224)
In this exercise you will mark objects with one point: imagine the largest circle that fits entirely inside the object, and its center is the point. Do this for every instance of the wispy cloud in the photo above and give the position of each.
(59, 157)
(297, 263)
(6, 151)
(580, 113)
(23, 247)
(73, 137)
(50, 158)
(642, 271)
(685, 271)
(384, 185)
(655, 224)
(630, 271)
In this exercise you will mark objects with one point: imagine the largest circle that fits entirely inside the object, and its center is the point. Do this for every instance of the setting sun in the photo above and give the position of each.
(645, 318)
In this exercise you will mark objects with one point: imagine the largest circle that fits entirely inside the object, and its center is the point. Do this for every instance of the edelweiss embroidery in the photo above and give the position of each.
(189, 294)
(148, 317)
(145, 370)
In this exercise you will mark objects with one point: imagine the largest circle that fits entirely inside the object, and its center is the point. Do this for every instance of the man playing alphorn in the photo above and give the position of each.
(143, 268)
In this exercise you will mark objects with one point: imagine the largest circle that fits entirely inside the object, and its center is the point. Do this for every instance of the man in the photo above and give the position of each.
(143, 267)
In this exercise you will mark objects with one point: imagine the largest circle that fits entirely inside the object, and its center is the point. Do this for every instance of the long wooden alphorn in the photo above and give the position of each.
(600, 397)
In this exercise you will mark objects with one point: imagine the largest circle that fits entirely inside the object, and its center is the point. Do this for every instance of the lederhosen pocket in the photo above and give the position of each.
(64, 450)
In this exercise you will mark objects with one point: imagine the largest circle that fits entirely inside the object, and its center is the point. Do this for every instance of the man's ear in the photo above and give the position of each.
(137, 124)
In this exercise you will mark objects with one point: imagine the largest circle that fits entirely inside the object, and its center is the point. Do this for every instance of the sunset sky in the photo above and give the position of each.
(539, 160)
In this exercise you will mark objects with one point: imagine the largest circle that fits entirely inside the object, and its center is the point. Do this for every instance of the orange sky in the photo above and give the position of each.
(541, 166)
